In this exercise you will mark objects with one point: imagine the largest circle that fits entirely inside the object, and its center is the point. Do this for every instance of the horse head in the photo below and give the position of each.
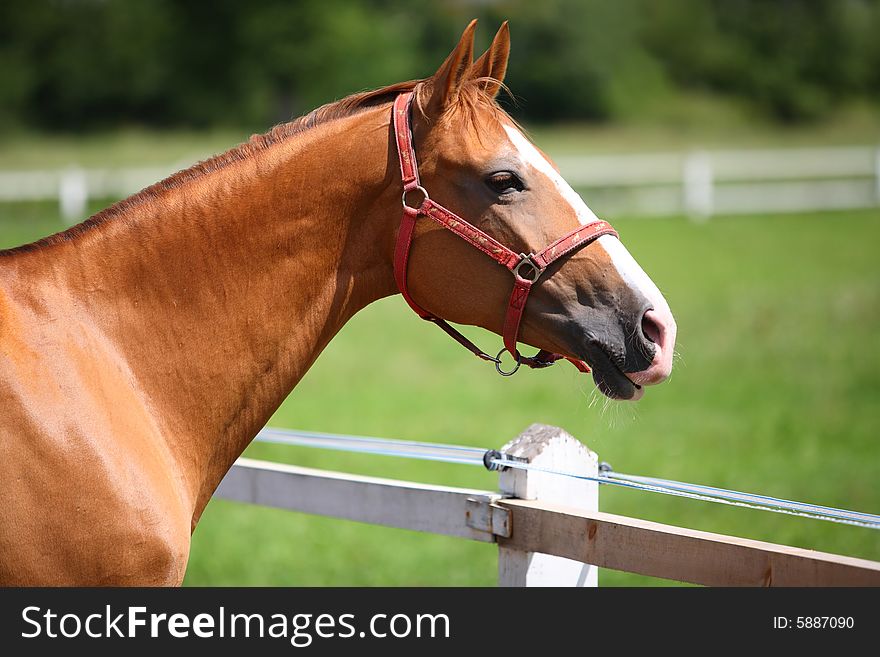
(595, 305)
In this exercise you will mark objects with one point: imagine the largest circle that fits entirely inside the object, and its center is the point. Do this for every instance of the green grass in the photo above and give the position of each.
(686, 122)
(128, 147)
(775, 392)
(703, 121)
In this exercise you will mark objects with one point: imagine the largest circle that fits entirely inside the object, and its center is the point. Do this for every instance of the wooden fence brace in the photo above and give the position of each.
(548, 447)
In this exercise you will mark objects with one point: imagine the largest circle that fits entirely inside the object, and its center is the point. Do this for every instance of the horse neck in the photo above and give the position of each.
(221, 292)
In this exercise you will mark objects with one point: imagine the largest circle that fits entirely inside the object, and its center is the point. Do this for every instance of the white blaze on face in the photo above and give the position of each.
(629, 270)
(632, 273)
(532, 156)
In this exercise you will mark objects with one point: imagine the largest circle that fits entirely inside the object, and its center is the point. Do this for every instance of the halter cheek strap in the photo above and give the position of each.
(526, 268)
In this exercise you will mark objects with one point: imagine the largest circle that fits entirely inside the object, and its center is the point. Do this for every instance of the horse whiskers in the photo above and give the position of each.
(608, 413)
(593, 398)
(677, 357)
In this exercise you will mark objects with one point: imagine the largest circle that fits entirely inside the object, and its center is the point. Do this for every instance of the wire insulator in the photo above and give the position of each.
(491, 458)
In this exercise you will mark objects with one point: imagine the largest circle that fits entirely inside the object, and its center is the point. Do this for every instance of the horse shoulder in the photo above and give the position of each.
(79, 509)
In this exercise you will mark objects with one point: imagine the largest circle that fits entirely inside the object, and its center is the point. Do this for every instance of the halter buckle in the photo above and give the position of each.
(526, 260)
(414, 208)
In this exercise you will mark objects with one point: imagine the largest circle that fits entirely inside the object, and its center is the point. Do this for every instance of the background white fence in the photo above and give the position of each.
(698, 184)
(72, 187)
(703, 183)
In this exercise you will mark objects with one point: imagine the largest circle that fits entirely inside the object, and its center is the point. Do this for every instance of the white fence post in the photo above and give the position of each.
(877, 175)
(552, 448)
(697, 180)
(73, 195)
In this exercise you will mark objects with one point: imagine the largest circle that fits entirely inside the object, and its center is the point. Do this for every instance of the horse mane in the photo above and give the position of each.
(471, 96)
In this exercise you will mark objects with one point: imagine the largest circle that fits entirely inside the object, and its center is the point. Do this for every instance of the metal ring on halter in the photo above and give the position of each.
(498, 363)
(527, 260)
(417, 188)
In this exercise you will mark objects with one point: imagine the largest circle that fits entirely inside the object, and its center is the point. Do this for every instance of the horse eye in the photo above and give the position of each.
(504, 182)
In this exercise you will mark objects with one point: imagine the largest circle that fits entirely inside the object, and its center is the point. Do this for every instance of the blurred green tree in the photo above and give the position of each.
(795, 59)
(79, 64)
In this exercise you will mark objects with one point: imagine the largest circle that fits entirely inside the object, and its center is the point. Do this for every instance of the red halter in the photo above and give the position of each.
(526, 269)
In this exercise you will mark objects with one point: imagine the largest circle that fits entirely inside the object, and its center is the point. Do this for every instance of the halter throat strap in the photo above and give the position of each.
(526, 268)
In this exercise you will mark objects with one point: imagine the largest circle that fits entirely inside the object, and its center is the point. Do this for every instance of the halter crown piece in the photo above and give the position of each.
(526, 268)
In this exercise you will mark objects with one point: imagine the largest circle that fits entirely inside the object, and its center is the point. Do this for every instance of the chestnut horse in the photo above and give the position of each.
(142, 350)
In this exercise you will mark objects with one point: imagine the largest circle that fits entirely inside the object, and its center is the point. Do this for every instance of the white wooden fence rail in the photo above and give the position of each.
(406, 505)
(548, 528)
(703, 183)
(699, 184)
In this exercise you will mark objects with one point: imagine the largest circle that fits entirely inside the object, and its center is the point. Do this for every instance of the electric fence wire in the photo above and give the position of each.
(493, 459)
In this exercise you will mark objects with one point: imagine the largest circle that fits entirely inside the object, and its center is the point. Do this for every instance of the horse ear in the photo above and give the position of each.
(492, 65)
(447, 81)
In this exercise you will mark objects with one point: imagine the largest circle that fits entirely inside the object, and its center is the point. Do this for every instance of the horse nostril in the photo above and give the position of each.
(658, 342)
(651, 328)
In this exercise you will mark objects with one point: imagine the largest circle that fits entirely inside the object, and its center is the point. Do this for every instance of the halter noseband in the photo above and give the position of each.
(526, 268)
